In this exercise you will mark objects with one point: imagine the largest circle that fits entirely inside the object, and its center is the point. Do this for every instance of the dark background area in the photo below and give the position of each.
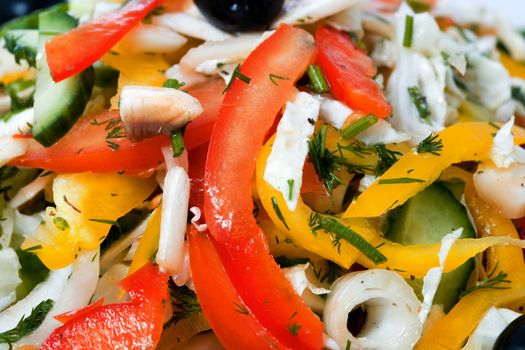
(10, 9)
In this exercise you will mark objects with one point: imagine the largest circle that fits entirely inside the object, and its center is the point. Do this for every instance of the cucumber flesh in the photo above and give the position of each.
(427, 218)
(58, 105)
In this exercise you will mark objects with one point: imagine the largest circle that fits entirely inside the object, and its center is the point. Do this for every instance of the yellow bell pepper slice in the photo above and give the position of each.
(461, 142)
(136, 69)
(413, 260)
(86, 204)
(149, 243)
(452, 331)
(299, 230)
(516, 69)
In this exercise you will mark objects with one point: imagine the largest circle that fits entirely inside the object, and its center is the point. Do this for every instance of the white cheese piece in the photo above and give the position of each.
(433, 276)
(297, 12)
(284, 168)
(490, 327)
(349, 20)
(188, 25)
(383, 133)
(152, 38)
(332, 111)
(9, 280)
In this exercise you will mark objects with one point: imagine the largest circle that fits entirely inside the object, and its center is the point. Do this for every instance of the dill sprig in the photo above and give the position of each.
(325, 162)
(115, 131)
(432, 144)
(185, 303)
(26, 325)
(237, 75)
(489, 283)
(387, 158)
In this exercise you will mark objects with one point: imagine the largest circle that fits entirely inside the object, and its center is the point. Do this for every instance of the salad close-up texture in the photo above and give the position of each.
(262, 174)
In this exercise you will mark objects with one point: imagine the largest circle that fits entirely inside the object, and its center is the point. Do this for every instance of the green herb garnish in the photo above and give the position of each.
(317, 79)
(27, 325)
(409, 31)
(489, 283)
(173, 84)
(184, 301)
(400, 180)
(290, 183)
(432, 144)
(387, 158)
(237, 74)
(177, 141)
(359, 126)
(278, 212)
(518, 95)
(61, 223)
(274, 77)
(420, 102)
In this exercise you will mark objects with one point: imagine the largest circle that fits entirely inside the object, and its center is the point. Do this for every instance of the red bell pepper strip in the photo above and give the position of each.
(247, 113)
(87, 147)
(350, 73)
(136, 324)
(233, 323)
(74, 51)
(71, 315)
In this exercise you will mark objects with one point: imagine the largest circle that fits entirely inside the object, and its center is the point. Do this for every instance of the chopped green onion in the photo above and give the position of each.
(400, 180)
(290, 188)
(409, 31)
(61, 223)
(177, 142)
(317, 79)
(352, 237)
(359, 126)
(173, 83)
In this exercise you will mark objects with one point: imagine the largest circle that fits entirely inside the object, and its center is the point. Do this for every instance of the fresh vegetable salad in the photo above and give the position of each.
(329, 174)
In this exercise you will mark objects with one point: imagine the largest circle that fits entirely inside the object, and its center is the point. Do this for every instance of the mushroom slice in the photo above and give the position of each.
(151, 111)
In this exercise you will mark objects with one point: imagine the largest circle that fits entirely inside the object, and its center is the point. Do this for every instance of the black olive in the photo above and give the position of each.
(240, 15)
(513, 337)
(10, 9)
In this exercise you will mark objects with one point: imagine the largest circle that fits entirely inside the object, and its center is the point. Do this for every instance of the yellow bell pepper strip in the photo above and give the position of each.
(86, 206)
(413, 260)
(452, 331)
(297, 225)
(415, 171)
(515, 68)
(136, 69)
(149, 243)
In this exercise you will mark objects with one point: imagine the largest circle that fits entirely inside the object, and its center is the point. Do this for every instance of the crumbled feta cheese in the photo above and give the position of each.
(433, 276)
(332, 111)
(284, 168)
(503, 146)
(300, 282)
(383, 133)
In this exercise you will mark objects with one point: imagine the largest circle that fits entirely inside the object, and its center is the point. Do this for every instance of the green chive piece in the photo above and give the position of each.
(400, 180)
(420, 102)
(177, 142)
(352, 237)
(237, 74)
(317, 79)
(173, 83)
(358, 126)
(409, 31)
(290, 188)
(278, 213)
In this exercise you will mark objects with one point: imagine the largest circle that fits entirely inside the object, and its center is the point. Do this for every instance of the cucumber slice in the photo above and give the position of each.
(427, 218)
(22, 43)
(58, 105)
(30, 21)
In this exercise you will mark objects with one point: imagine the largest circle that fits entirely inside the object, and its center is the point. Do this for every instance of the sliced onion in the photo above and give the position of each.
(29, 191)
(9, 280)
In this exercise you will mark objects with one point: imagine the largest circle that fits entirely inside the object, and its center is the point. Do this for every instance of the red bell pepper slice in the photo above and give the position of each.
(247, 113)
(85, 148)
(74, 51)
(233, 323)
(136, 324)
(71, 315)
(350, 73)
